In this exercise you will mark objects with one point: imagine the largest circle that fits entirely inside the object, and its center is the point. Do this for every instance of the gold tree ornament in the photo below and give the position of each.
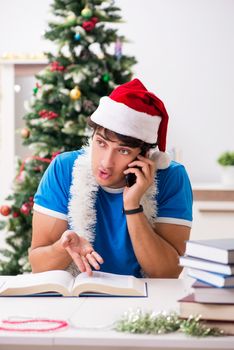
(75, 93)
(86, 13)
(25, 133)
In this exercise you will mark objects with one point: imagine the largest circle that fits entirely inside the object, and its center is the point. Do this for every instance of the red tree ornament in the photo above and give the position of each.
(31, 199)
(88, 26)
(45, 114)
(5, 210)
(26, 208)
(94, 20)
(56, 66)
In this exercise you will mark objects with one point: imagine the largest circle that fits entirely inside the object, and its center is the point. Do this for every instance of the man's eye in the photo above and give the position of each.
(124, 151)
(100, 143)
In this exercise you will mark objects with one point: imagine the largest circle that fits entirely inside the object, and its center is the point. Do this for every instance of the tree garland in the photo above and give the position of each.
(162, 322)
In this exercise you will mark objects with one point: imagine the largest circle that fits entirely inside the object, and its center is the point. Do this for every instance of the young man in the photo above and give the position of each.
(86, 217)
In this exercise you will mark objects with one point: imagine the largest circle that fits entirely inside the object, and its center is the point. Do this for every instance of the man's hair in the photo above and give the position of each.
(126, 140)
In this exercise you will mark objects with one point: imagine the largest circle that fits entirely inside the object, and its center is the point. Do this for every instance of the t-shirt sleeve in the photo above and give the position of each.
(52, 195)
(174, 198)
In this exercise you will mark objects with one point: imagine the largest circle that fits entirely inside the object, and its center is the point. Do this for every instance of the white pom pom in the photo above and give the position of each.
(162, 159)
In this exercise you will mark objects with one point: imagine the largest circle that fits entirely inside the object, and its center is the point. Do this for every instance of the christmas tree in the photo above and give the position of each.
(88, 63)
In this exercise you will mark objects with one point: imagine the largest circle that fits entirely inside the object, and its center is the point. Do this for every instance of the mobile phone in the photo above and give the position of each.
(131, 178)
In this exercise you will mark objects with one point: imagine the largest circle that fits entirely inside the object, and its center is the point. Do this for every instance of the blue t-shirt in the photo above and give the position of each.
(112, 240)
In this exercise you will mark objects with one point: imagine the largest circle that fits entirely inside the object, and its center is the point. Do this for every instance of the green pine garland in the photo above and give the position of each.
(161, 323)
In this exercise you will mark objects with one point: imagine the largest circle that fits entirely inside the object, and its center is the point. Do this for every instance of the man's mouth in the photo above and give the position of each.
(103, 174)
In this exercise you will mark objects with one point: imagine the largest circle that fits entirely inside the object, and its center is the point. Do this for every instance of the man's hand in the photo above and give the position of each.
(144, 179)
(81, 252)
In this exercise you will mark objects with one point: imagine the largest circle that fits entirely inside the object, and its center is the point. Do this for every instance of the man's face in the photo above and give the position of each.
(110, 159)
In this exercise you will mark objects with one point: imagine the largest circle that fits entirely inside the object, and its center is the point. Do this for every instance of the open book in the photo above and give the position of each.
(64, 283)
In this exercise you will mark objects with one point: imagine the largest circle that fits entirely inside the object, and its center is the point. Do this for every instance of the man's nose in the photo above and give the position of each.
(108, 160)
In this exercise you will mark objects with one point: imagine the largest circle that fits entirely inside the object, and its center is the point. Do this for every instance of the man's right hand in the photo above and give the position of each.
(81, 251)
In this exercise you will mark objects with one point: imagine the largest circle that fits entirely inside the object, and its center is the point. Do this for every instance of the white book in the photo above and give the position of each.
(202, 264)
(218, 250)
(64, 283)
(213, 278)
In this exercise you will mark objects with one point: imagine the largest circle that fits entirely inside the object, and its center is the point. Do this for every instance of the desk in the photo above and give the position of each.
(93, 312)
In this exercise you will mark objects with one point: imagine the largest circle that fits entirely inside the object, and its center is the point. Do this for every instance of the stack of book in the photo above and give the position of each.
(211, 264)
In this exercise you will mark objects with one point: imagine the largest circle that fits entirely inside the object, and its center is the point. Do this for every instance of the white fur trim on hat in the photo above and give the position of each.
(162, 159)
(124, 120)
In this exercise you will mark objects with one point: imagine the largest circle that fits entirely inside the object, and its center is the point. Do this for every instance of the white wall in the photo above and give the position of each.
(185, 52)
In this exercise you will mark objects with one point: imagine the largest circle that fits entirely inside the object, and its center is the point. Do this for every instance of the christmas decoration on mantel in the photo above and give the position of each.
(12, 56)
(89, 62)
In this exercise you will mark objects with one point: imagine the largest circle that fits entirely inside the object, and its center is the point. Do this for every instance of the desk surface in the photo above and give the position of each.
(92, 316)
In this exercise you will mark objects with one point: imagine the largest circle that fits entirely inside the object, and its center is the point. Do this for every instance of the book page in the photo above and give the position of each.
(103, 282)
(104, 278)
(56, 280)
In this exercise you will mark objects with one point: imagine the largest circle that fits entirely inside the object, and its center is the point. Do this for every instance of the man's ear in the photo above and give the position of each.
(147, 154)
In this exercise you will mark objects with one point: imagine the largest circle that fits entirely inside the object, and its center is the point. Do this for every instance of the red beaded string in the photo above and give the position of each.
(60, 324)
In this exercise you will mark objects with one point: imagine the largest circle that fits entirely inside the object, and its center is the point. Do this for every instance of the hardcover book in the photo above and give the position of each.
(212, 311)
(205, 293)
(218, 250)
(202, 264)
(63, 283)
(215, 279)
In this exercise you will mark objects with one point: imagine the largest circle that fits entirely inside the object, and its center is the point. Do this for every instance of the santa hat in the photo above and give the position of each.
(132, 110)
